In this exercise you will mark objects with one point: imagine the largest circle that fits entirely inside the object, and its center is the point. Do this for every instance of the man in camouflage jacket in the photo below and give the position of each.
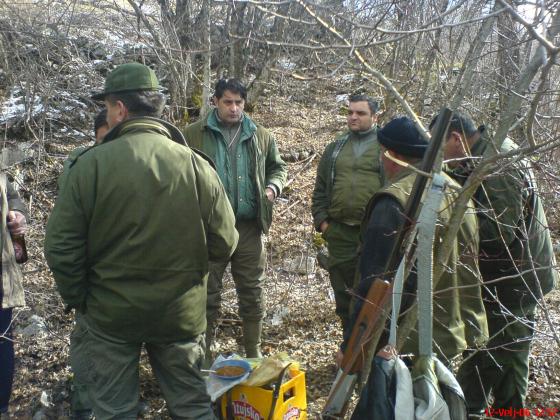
(13, 222)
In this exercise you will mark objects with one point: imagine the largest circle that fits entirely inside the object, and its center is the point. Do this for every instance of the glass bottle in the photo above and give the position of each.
(20, 250)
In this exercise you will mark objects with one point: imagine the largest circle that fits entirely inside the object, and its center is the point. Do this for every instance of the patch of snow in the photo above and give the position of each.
(45, 399)
(342, 98)
(15, 105)
(279, 316)
(36, 326)
(19, 106)
(300, 265)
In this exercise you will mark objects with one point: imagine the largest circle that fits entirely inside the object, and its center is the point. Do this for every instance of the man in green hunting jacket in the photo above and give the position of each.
(348, 175)
(253, 174)
(515, 246)
(128, 243)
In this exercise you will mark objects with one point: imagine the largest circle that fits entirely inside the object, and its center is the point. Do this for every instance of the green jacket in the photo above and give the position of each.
(326, 177)
(11, 285)
(72, 156)
(459, 315)
(132, 231)
(259, 155)
(514, 233)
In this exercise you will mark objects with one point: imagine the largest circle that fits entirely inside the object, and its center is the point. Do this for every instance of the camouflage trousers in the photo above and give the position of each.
(342, 242)
(110, 372)
(502, 368)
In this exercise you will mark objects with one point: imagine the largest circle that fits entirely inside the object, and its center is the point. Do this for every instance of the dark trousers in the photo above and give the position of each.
(342, 242)
(6, 358)
(503, 369)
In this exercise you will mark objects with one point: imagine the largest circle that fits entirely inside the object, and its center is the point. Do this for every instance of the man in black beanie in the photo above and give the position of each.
(455, 326)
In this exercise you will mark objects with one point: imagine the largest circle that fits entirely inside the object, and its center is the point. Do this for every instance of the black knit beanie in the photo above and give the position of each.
(401, 136)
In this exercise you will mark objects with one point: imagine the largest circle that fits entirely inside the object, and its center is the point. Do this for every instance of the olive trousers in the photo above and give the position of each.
(343, 243)
(80, 398)
(248, 264)
(110, 369)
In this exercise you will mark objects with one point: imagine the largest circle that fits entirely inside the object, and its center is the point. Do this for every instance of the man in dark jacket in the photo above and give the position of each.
(458, 312)
(459, 319)
(253, 174)
(128, 243)
(516, 260)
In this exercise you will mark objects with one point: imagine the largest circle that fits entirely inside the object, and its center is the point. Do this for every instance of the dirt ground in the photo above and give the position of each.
(300, 318)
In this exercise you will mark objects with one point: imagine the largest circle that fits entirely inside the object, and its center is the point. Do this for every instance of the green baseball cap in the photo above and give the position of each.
(127, 77)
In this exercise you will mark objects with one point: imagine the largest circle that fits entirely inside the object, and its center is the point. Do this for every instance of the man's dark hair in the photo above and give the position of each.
(233, 85)
(140, 103)
(461, 123)
(373, 105)
(99, 121)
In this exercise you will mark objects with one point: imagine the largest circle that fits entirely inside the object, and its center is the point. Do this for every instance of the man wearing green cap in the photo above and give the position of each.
(129, 241)
(253, 174)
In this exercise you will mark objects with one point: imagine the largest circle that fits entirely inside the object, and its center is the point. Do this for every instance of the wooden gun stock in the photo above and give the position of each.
(367, 320)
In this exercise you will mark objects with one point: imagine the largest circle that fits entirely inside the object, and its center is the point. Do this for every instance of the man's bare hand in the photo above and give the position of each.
(323, 226)
(270, 194)
(16, 223)
(339, 357)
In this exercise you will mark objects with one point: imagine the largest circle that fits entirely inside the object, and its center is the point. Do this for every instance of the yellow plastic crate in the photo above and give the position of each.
(255, 403)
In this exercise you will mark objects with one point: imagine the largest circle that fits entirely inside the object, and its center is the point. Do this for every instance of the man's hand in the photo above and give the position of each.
(270, 194)
(339, 357)
(323, 226)
(16, 223)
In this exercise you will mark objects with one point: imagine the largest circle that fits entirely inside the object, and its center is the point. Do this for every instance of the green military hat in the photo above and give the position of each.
(129, 77)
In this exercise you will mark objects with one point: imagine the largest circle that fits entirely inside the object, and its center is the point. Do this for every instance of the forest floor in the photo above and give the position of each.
(300, 307)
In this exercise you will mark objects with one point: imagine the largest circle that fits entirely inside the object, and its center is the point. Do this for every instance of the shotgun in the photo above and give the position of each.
(371, 319)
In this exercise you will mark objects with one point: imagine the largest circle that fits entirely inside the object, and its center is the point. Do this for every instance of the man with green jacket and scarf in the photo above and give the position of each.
(517, 264)
(253, 174)
(129, 241)
(349, 173)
